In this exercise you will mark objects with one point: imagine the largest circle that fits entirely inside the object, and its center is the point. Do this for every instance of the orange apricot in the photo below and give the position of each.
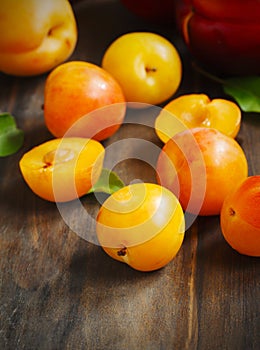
(201, 166)
(61, 170)
(142, 225)
(240, 217)
(197, 110)
(78, 91)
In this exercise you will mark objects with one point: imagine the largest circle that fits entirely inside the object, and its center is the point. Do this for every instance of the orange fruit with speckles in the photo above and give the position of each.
(201, 166)
(240, 217)
(75, 96)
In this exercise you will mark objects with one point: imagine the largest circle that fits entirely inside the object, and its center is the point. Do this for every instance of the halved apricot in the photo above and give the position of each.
(61, 170)
(197, 110)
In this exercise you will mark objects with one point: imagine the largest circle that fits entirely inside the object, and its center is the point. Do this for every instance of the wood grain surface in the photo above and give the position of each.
(61, 291)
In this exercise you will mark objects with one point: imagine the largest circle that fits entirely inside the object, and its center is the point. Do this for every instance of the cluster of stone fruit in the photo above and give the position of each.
(201, 165)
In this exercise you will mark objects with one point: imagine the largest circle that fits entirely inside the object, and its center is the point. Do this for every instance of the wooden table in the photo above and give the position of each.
(59, 291)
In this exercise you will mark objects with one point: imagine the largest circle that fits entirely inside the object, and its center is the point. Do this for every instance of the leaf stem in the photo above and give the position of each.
(208, 75)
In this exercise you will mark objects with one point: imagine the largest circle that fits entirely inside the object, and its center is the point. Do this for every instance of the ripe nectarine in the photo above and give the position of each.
(74, 95)
(201, 166)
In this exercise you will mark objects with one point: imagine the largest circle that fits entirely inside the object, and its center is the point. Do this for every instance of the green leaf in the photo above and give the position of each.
(6, 122)
(245, 91)
(11, 138)
(108, 182)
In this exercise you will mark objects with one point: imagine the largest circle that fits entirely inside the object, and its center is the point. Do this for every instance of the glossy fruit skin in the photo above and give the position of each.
(142, 225)
(156, 11)
(240, 217)
(197, 110)
(78, 89)
(146, 65)
(36, 36)
(61, 170)
(224, 36)
(201, 166)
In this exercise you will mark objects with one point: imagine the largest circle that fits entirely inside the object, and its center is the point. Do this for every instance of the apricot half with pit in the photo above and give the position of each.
(61, 170)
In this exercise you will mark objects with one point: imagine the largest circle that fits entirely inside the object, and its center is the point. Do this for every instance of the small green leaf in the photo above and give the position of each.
(11, 138)
(6, 122)
(108, 182)
(245, 91)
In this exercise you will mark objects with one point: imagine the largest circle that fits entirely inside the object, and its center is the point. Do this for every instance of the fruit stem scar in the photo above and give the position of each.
(232, 212)
(122, 252)
(51, 30)
(149, 70)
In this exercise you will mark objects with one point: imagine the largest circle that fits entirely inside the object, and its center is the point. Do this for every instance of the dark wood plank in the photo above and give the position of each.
(59, 291)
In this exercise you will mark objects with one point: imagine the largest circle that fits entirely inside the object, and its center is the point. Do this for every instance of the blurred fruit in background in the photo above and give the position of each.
(222, 35)
(159, 11)
(36, 35)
